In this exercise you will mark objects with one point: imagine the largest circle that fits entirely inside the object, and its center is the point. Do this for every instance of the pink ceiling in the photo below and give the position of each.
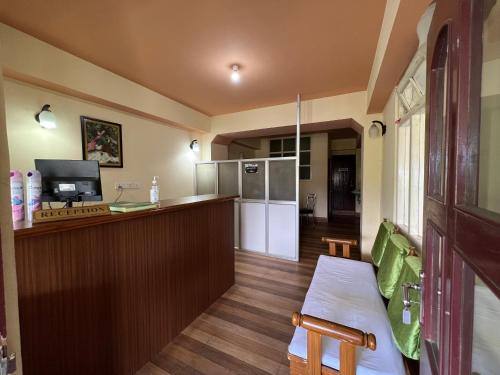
(184, 49)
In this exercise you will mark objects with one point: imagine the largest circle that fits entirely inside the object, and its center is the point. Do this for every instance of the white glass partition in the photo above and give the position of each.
(266, 212)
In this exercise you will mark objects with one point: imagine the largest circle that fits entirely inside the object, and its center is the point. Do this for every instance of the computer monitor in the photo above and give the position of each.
(69, 180)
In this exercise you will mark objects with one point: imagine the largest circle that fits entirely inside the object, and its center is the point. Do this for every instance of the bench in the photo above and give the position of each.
(344, 327)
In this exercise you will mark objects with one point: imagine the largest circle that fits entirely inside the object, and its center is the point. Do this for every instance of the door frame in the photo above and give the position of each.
(468, 236)
(331, 158)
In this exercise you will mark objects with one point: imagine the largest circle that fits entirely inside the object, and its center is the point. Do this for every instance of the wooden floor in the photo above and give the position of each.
(247, 331)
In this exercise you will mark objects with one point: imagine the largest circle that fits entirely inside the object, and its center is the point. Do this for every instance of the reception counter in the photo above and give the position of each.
(103, 295)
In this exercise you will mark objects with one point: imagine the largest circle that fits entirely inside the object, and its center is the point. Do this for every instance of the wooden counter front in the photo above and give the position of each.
(103, 295)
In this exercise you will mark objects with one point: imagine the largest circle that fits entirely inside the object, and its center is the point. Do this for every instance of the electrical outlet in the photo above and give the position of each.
(127, 185)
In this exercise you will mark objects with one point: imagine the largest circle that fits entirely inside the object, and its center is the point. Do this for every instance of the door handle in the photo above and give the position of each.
(407, 302)
(7, 362)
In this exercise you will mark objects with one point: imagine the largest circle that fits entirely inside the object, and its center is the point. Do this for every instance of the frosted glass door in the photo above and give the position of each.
(282, 229)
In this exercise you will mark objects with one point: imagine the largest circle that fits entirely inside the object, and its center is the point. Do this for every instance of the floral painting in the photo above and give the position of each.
(102, 141)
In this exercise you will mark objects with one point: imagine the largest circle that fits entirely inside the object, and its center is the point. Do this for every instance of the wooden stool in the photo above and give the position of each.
(346, 246)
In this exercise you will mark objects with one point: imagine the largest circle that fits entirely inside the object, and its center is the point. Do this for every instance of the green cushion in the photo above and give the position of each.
(407, 336)
(385, 230)
(389, 269)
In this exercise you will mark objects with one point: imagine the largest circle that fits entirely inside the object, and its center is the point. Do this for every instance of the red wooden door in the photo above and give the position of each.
(462, 204)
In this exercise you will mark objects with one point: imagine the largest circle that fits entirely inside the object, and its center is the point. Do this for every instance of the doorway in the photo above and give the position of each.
(341, 184)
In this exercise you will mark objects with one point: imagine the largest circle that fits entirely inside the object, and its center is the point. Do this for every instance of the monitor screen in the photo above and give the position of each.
(69, 180)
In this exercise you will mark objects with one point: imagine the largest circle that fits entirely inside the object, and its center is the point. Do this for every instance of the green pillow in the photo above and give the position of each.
(407, 336)
(385, 230)
(389, 269)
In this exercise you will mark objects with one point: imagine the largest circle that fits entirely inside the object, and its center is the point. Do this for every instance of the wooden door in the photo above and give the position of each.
(462, 204)
(342, 178)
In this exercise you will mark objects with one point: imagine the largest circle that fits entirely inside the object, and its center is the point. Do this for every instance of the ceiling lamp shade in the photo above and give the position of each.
(235, 74)
(46, 118)
(374, 130)
(195, 146)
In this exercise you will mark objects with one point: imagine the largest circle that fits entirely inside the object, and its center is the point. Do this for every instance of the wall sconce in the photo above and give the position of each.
(195, 146)
(46, 118)
(374, 130)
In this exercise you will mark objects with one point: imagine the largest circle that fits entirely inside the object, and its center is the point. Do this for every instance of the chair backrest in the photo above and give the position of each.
(311, 201)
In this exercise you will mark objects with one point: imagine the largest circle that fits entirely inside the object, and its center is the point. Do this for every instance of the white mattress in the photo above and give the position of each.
(345, 291)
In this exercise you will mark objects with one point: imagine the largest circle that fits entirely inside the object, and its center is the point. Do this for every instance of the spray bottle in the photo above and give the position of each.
(154, 194)
(33, 193)
(17, 195)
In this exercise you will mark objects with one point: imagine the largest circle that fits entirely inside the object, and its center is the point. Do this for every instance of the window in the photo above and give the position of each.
(411, 148)
(283, 147)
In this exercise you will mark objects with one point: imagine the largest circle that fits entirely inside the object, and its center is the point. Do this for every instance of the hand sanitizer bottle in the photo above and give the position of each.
(154, 194)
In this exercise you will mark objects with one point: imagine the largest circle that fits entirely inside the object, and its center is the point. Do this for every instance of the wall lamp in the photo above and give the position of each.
(374, 130)
(46, 118)
(195, 146)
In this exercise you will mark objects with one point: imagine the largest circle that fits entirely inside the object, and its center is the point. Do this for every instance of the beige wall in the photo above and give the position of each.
(236, 151)
(149, 148)
(35, 59)
(319, 110)
(319, 175)
(389, 161)
(7, 237)
(219, 152)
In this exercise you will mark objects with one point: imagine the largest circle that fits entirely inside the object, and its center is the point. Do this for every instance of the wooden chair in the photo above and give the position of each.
(349, 338)
(346, 246)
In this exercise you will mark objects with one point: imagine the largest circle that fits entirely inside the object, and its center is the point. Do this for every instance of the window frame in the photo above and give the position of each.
(282, 153)
(407, 117)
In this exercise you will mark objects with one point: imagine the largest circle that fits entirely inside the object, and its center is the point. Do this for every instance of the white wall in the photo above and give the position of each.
(7, 238)
(149, 148)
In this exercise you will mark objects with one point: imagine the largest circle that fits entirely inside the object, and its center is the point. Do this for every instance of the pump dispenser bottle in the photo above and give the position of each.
(154, 194)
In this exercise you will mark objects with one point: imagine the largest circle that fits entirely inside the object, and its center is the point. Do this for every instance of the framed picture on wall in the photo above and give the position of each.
(102, 141)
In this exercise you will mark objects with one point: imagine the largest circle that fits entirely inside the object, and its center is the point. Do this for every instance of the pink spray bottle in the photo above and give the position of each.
(17, 195)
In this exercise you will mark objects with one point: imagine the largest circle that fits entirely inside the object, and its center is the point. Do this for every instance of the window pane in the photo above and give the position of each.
(489, 150)
(305, 173)
(403, 173)
(305, 143)
(275, 155)
(410, 95)
(289, 144)
(485, 337)
(420, 78)
(305, 158)
(286, 154)
(275, 145)
(282, 180)
(417, 172)
(438, 119)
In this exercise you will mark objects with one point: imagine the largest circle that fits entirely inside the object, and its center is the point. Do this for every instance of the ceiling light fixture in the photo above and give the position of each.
(46, 118)
(235, 74)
